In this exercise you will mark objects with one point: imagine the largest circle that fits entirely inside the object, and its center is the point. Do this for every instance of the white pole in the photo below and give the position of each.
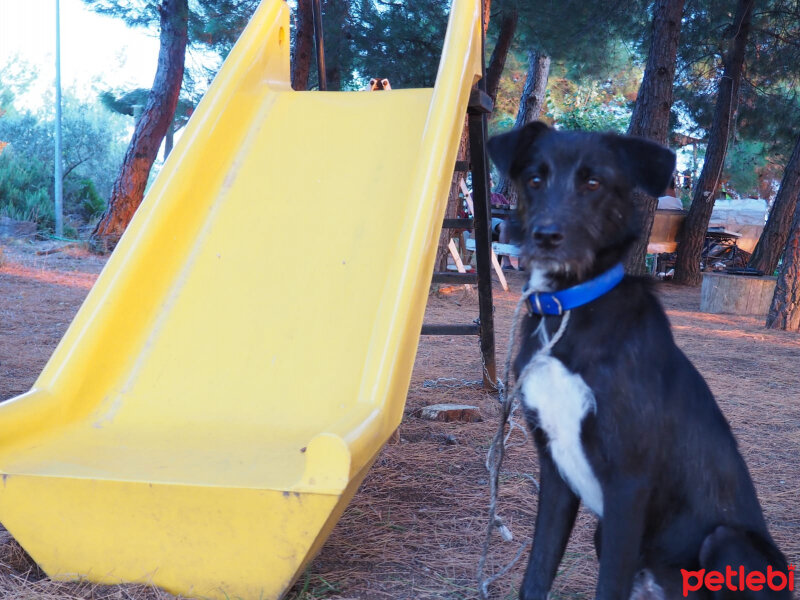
(58, 177)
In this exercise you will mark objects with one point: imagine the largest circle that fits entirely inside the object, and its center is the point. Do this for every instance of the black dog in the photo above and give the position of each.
(621, 419)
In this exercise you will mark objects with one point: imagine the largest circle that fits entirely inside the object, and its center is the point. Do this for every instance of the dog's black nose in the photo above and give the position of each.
(547, 236)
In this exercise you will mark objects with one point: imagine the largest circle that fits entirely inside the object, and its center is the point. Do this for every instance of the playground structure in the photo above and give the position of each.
(212, 408)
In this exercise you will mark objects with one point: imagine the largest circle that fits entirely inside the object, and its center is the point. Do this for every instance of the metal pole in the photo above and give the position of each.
(58, 175)
(317, 10)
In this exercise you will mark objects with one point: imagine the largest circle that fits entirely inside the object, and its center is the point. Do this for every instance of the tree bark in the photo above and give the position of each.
(773, 239)
(497, 63)
(650, 118)
(128, 189)
(303, 45)
(687, 265)
(487, 14)
(453, 200)
(335, 16)
(531, 103)
(784, 313)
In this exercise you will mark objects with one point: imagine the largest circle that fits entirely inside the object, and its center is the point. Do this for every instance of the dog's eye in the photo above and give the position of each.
(592, 184)
(535, 182)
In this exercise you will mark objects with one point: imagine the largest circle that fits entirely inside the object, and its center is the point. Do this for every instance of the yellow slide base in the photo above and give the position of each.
(247, 350)
(203, 542)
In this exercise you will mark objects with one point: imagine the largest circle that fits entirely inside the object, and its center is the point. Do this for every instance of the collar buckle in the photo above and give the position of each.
(538, 304)
(560, 306)
(540, 310)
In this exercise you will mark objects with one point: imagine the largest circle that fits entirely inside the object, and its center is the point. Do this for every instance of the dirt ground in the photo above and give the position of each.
(415, 527)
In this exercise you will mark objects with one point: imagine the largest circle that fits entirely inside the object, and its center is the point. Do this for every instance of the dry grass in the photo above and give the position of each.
(415, 527)
(21, 579)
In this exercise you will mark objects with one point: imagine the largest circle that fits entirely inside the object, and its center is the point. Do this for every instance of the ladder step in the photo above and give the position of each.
(479, 102)
(455, 278)
(457, 224)
(465, 329)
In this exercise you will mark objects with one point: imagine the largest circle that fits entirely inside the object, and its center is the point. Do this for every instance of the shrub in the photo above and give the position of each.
(24, 193)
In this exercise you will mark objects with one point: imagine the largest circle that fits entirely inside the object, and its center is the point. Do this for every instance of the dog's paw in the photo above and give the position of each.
(722, 537)
(645, 587)
(524, 596)
(529, 594)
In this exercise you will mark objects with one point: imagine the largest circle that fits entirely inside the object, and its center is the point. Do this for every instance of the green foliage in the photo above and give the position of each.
(124, 103)
(743, 162)
(587, 112)
(590, 106)
(598, 51)
(23, 190)
(94, 143)
(216, 24)
(573, 101)
(685, 196)
(16, 76)
(92, 204)
(509, 91)
(581, 34)
(399, 40)
(135, 13)
(213, 24)
(768, 108)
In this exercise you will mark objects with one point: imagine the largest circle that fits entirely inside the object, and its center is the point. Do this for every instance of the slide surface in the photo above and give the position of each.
(247, 350)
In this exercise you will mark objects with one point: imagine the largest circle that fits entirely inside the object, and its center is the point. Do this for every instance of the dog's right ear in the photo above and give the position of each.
(649, 164)
(504, 149)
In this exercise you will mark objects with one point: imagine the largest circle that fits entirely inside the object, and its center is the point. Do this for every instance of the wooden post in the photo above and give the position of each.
(483, 238)
(480, 105)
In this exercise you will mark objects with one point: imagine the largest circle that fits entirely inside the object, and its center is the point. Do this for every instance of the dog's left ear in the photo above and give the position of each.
(648, 164)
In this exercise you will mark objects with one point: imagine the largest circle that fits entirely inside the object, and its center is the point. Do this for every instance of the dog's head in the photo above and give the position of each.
(576, 213)
(377, 85)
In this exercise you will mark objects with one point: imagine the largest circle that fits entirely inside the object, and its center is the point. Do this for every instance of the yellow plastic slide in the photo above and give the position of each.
(247, 350)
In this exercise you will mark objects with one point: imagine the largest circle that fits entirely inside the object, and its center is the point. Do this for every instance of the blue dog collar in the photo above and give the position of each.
(555, 303)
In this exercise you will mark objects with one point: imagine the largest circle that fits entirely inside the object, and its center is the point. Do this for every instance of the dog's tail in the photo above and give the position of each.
(729, 549)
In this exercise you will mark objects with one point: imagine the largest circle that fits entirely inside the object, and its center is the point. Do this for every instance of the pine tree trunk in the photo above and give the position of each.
(303, 45)
(650, 117)
(451, 212)
(335, 19)
(487, 13)
(784, 313)
(128, 189)
(773, 239)
(531, 104)
(498, 61)
(687, 265)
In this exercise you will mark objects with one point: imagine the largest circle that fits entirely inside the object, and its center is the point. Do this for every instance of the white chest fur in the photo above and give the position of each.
(562, 399)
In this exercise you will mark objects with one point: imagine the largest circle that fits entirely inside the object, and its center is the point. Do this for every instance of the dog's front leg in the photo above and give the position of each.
(624, 503)
(555, 517)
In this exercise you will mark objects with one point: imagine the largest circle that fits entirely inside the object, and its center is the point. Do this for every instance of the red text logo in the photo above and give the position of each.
(737, 581)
